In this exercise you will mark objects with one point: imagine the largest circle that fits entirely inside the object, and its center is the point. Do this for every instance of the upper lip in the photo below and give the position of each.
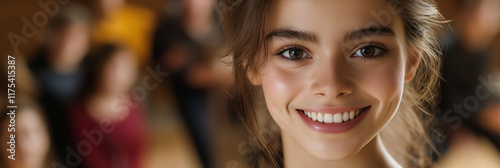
(332, 110)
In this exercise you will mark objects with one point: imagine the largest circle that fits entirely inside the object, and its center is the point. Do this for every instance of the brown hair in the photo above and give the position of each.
(97, 62)
(244, 22)
(73, 13)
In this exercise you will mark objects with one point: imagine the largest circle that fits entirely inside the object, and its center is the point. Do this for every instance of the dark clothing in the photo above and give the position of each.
(460, 103)
(461, 70)
(192, 101)
(58, 90)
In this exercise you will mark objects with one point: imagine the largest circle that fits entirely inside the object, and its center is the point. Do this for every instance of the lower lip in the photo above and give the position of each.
(333, 127)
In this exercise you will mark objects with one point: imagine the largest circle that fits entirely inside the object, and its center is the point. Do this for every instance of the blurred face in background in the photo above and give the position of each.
(198, 17)
(198, 8)
(107, 6)
(119, 73)
(32, 140)
(69, 46)
(480, 20)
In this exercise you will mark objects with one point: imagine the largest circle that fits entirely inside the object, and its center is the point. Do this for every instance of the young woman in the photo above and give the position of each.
(107, 115)
(347, 82)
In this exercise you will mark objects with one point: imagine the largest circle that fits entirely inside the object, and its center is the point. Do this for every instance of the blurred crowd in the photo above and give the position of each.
(115, 84)
(89, 93)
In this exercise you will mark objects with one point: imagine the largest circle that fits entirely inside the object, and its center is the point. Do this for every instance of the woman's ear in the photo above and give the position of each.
(414, 56)
(254, 78)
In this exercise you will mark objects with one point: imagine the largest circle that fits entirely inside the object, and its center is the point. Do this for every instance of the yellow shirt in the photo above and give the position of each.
(131, 26)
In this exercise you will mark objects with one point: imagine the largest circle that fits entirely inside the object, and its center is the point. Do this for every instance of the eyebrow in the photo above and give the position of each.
(369, 32)
(287, 33)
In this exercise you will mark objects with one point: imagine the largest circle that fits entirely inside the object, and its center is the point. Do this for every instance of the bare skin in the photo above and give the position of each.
(32, 140)
(117, 79)
(332, 54)
(68, 48)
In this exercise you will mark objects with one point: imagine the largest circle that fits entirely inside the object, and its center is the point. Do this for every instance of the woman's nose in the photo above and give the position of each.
(331, 79)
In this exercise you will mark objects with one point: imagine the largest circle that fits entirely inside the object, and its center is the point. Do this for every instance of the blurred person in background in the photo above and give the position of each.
(117, 21)
(58, 67)
(468, 56)
(31, 136)
(185, 44)
(106, 101)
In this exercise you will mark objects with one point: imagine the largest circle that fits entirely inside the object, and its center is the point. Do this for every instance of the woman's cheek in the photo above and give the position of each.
(385, 83)
(280, 87)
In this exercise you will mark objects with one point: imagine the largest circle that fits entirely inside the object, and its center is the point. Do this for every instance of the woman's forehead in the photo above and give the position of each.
(333, 18)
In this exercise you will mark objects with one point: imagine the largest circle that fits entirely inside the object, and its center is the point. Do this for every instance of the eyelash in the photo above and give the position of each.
(282, 50)
(382, 47)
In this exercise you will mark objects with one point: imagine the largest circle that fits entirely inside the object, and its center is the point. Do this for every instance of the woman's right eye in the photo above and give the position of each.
(294, 54)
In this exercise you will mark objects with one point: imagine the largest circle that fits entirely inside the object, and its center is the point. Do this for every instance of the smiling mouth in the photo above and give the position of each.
(335, 118)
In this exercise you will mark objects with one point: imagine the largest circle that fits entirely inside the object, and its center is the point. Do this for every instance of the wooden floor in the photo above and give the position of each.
(171, 144)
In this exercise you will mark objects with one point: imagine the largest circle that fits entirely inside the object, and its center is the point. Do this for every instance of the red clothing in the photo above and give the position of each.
(122, 143)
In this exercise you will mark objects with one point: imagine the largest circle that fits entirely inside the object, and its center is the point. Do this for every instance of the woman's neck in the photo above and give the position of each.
(105, 105)
(372, 154)
(104, 96)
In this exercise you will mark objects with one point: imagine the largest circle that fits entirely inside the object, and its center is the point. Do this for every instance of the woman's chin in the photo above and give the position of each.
(333, 153)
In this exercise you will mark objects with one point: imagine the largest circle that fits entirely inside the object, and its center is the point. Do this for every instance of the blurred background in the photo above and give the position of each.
(142, 83)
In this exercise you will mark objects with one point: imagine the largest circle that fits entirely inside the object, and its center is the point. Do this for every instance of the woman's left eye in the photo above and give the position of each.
(294, 54)
(369, 51)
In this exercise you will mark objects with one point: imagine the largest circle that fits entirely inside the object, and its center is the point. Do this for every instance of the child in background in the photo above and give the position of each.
(106, 101)
(59, 68)
(32, 141)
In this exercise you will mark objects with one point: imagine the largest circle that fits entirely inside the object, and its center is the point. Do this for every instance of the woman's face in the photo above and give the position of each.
(120, 73)
(70, 45)
(34, 140)
(343, 62)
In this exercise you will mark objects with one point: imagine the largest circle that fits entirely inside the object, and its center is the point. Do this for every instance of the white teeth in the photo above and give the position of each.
(320, 117)
(332, 118)
(328, 118)
(337, 118)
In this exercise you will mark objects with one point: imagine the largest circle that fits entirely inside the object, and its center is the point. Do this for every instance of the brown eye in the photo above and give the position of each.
(368, 51)
(294, 54)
